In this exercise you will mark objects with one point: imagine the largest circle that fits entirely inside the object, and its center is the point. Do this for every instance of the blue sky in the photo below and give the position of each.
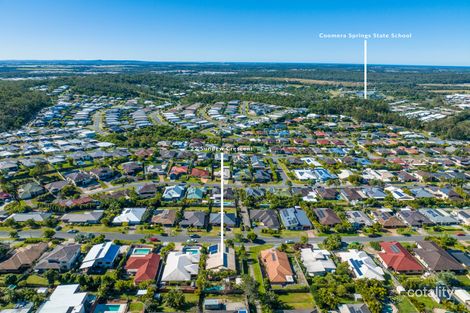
(236, 30)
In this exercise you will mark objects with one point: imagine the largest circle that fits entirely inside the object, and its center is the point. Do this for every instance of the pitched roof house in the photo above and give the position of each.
(266, 218)
(130, 215)
(194, 219)
(277, 266)
(316, 261)
(92, 217)
(435, 258)
(165, 217)
(362, 264)
(180, 266)
(387, 220)
(101, 255)
(394, 256)
(294, 218)
(144, 267)
(23, 258)
(60, 258)
(327, 216)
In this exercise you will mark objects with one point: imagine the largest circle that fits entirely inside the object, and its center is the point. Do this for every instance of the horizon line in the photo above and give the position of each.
(228, 62)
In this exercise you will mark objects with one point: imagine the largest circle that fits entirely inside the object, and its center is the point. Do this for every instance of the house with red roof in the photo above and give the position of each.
(200, 173)
(394, 256)
(143, 267)
(177, 171)
(323, 142)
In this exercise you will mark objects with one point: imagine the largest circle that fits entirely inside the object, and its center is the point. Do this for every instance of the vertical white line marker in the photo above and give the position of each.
(365, 69)
(222, 206)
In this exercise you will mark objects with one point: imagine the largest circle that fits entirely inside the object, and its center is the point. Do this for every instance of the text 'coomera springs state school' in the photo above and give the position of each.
(365, 35)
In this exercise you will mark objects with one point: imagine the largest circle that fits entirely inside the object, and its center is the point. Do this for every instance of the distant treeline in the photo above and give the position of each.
(19, 104)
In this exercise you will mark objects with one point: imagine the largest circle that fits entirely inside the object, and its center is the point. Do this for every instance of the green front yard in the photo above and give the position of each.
(297, 301)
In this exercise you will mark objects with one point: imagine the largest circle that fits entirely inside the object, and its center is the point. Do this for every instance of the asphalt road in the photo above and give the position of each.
(214, 239)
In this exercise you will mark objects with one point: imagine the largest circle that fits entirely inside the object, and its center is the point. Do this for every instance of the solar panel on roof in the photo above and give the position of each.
(395, 249)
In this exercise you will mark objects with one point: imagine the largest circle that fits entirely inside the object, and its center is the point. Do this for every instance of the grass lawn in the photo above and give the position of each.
(99, 228)
(254, 252)
(445, 230)
(297, 301)
(429, 304)
(404, 305)
(464, 280)
(35, 280)
(136, 307)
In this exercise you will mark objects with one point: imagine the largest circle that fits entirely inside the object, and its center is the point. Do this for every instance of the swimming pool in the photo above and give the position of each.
(141, 251)
(108, 308)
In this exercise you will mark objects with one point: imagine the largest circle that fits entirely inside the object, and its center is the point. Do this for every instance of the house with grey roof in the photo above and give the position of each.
(230, 219)
(358, 219)
(295, 219)
(436, 259)
(439, 216)
(61, 258)
(266, 218)
(38, 217)
(92, 217)
(414, 218)
(30, 190)
(194, 219)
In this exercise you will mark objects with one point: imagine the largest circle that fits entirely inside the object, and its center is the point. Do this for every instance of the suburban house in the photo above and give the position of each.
(165, 217)
(266, 218)
(30, 190)
(100, 256)
(92, 217)
(353, 308)
(67, 299)
(146, 191)
(132, 216)
(181, 266)
(362, 264)
(230, 219)
(143, 267)
(218, 260)
(358, 219)
(23, 258)
(174, 193)
(277, 267)
(196, 219)
(413, 218)
(295, 219)
(56, 186)
(61, 258)
(177, 171)
(394, 256)
(38, 217)
(327, 216)
(80, 179)
(436, 259)
(316, 261)
(201, 174)
(195, 193)
(386, 219)
(439, 216)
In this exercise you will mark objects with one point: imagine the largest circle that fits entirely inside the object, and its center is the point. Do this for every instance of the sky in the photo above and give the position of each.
(235, 30)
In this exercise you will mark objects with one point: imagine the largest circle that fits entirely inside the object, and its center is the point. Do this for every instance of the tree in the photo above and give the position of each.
(175, 299)
(250, 288)
(48, 233)
(14, 234)
(10, 279)
(271, 300)
(303, 239)
(252, 236)
(332, 242)
(51, 276)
